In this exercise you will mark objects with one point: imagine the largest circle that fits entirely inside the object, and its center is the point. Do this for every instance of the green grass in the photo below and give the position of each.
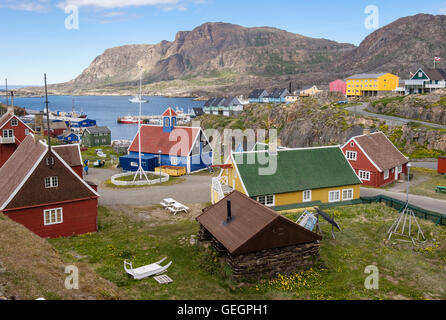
(90, 154)
(199, 273)
(427, 188)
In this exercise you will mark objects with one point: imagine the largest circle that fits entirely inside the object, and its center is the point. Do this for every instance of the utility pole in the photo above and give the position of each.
(47, 114)
(6, 91)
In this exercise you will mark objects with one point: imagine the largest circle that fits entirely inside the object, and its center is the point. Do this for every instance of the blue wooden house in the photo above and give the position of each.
(278, 95)
(258, 96)
(171, 145)
(69, 137)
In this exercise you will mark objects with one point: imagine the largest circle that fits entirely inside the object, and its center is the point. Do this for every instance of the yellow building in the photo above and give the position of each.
(366, 85)
(310, 91)
(289, 178)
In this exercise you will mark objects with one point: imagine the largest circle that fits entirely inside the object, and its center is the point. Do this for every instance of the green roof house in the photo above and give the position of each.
(290, 178)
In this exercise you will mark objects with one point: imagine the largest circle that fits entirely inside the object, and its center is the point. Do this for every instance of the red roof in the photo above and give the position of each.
(153, 140)
(169, 113)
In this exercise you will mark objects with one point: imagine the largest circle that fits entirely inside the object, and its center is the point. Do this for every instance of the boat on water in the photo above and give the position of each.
(138, 99)
(129, 120)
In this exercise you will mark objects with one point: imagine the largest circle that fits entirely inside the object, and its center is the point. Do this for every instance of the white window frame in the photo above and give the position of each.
(134, 164)
(308, 198)
(14, 122)
(174, 161)
(26, 132)
(54, 217)
(364, 175)
(336, 199)
(264, 200)
(51, 182)
(347, 197)
(399, 169)
(50, 161)
(352, 155)
(8, 133)
(386, 174)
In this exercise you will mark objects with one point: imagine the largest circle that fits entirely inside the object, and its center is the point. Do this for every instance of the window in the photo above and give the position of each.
(352, 155)
(386, 174)
(400, 169)
(51, 182)
(166, 122)
(307, 196)
(52, 216)
(420, 74)
(133, 164)
(334, 196)
(26, 132)
(347, 194)
(8, 133)
(14, 122)
(174, 161)
(364, 175)
(266, 200)
(50, 161)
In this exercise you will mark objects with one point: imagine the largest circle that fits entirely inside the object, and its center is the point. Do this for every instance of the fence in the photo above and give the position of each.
(437, 218)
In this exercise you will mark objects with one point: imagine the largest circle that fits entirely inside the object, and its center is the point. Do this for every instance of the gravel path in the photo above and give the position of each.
(196, 189)
(390, 119)
(419, 201)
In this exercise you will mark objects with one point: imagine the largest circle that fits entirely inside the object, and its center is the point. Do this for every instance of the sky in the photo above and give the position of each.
(42, 36)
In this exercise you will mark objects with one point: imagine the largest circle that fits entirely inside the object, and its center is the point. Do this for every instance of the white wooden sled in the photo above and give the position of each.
(146, 271)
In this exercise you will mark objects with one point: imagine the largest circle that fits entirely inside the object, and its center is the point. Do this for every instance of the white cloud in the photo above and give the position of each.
(113, 4)
(25, 5)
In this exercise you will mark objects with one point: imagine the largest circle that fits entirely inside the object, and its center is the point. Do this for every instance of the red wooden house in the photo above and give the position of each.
(12, 132)
(442, 165)
(375, 159)
(338, 86)
(40, 189)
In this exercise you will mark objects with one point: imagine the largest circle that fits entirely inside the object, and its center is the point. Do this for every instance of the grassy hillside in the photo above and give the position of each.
(30, 268)
(143, 235)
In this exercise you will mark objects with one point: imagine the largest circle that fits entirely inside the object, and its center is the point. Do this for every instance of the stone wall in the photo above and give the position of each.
(266, 264)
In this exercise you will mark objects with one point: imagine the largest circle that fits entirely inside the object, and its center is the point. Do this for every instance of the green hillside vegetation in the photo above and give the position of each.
(144, 235)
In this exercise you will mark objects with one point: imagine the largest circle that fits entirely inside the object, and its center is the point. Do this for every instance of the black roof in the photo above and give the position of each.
(277, 92)
(93, 130)
(198, 112)
(217, 102)
(256, 93)
(209, 102)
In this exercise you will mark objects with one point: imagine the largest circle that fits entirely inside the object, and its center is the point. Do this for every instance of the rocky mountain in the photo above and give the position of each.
(400, 47)
(222, 58)
(212, 49)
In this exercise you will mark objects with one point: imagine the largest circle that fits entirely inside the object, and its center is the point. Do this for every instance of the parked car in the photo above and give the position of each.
(343, 102)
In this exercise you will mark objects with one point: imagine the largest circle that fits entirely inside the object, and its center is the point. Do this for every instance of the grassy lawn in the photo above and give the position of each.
(90, 154)
(138, 178)
(145, 235)
(427, 188)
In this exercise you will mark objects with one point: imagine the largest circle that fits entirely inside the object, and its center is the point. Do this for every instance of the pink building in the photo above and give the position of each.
(339, 86)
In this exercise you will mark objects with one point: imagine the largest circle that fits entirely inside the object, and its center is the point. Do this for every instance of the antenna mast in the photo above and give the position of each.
(47, 114)
(6, 91)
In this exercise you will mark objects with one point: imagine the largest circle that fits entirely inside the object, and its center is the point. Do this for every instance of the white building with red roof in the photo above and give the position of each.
(169, 145)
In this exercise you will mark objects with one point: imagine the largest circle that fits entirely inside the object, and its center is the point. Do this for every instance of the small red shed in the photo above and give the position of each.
(338, 86)
(375, 159)
(442, 165)
(41, 191)
(12, 132)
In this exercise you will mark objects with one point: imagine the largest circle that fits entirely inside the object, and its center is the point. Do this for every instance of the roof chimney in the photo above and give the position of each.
(11, 107)
(229, 218)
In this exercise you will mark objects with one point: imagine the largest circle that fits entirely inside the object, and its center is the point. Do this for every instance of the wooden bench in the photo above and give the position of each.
(440, 189)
